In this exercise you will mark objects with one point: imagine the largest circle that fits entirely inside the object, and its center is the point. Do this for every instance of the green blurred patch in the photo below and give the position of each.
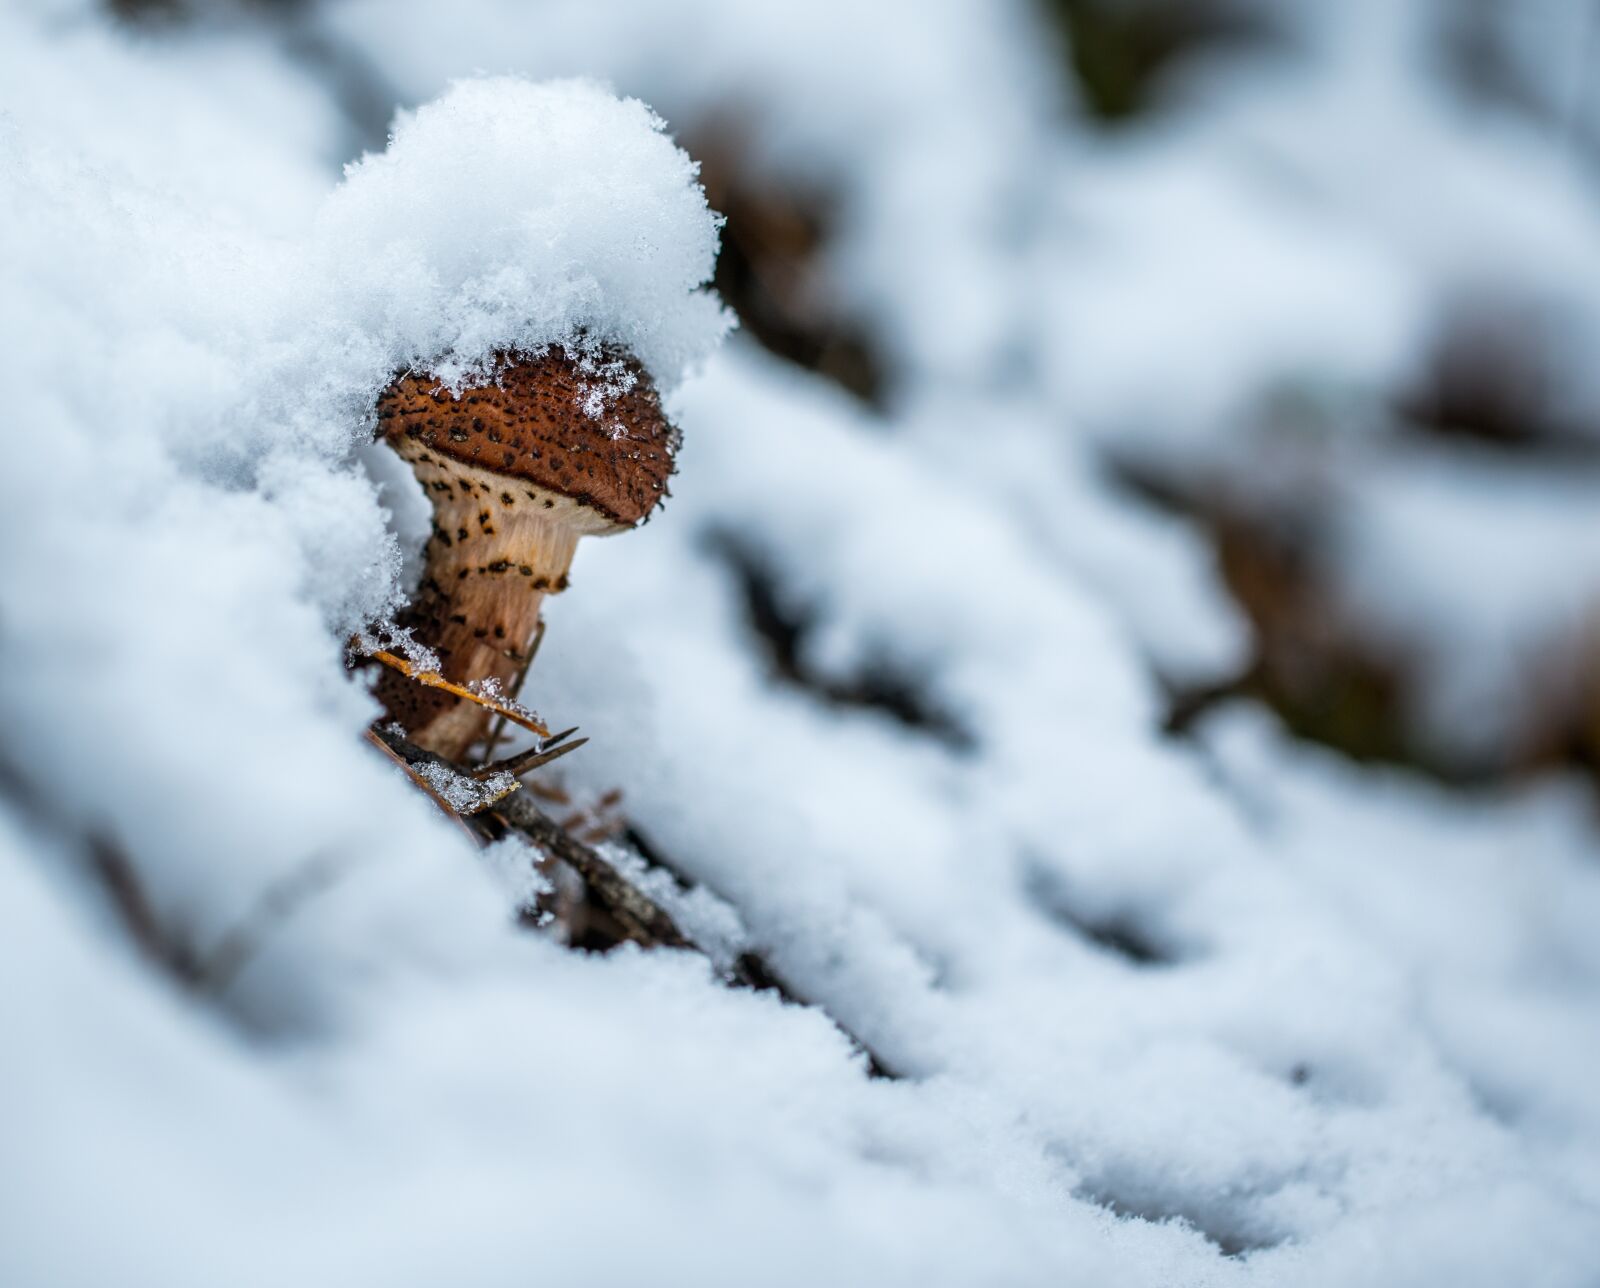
(1122, 52)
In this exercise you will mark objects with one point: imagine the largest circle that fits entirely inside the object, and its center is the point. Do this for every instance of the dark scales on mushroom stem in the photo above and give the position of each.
(517, 470)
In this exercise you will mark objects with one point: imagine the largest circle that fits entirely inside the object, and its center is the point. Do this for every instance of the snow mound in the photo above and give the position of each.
(514, 215)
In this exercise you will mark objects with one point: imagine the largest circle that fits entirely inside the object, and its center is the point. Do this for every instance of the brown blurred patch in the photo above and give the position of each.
(1333, 678)
(772, 270)
(1312, 662)
(1314, 665)
(1493, 372)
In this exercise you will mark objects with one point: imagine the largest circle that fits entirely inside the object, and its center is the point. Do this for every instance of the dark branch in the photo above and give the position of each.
(640, 916)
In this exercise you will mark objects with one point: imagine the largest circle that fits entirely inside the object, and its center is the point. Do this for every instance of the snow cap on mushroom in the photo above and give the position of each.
(509, 216)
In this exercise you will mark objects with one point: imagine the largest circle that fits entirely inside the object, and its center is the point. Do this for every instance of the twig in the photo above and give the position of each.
(275, 905)
(423, 785)
(127, 894)
(548, 792)
(533, 758)
(453, 789)
(210, 972)
(507, 710)
(640, 916)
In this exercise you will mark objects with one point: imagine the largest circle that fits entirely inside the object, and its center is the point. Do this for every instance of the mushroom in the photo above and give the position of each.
(556, 446)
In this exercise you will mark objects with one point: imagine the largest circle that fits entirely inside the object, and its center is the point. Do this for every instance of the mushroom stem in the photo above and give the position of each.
(497, 549)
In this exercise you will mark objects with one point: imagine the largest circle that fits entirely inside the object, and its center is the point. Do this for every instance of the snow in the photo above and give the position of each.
(463, 794)
(509, 215)
(515, 865)
(1219, 1008)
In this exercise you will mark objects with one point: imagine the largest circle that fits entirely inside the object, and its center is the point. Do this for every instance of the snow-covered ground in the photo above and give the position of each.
(1214, 1007)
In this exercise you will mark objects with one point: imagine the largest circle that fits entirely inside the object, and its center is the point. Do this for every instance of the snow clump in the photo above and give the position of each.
(514, 215)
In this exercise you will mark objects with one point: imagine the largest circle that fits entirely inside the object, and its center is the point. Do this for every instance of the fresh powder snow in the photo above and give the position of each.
(1077, 991)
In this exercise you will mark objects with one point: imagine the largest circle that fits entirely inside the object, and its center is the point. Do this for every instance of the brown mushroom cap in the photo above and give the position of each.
(596, 436)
